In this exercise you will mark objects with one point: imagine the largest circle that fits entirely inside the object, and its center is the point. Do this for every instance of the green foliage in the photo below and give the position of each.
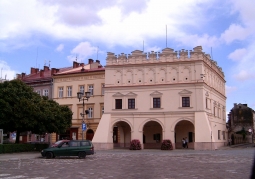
(22, 110)
(12, 148)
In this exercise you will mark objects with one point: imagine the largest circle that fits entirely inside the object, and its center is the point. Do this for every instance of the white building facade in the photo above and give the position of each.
(156, 96)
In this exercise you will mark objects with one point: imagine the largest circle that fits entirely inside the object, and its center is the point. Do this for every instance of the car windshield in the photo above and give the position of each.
(58, 142)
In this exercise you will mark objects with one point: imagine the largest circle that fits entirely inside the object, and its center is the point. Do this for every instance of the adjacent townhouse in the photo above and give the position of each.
(241, 124)
(81, 78)
(156, 96)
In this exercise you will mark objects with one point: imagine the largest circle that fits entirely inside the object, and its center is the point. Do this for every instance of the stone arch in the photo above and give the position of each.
(121, 133)
(89, 134)
(140, 129)
(124, 120)
(184, 131)
(181, 119)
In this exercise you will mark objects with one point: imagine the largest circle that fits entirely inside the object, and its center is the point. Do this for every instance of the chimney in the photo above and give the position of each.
(91, 61)
(82, 64)
(53, 71)
(41, 73)
(75, 64)
(98, 61)
(245, 105)
(23, 75)
(18, 76)
(46, 68)
(36, 70)
(32, 71)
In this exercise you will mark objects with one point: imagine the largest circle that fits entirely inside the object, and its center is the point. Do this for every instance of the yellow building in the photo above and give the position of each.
(81, 78)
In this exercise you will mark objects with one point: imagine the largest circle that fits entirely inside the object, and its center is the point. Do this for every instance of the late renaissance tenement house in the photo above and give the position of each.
(81, 78)
(157, 96)
(241, 118)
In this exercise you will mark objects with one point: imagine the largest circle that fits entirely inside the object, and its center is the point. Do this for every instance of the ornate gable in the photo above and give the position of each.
(185, 92)
(131, 94)
(156, 93)
(118, 95)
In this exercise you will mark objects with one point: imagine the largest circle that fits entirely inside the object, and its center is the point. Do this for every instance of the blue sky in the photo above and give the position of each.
(34, 32)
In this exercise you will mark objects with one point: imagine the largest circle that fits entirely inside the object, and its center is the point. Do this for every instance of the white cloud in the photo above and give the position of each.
(6, 72)
(82, 51)
(60, 48)
(235, 32)
(244, 75)
(115, 22)
(230, 89)
(238, 54)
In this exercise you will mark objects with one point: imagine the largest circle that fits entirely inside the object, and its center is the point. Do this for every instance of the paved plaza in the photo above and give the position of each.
(232, 163)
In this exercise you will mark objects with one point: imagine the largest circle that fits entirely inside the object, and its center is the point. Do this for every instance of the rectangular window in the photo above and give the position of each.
(102, 110)
(219, 111)
(69, 91)
(45, 92)
(156, 102)
(131, 103)
(118, 103)
(223, 134)
(90, 114)
(91, 89)
(81, 89)
(102, 89)
(214, 111)
(185, 102)
(38, 92)
(60, 92)
(219, 134)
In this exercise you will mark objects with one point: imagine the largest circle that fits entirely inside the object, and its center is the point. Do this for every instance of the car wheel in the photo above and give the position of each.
(49, 155)
(82, 155)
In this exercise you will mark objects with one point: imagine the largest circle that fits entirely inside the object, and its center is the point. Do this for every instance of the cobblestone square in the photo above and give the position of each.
(231, 163)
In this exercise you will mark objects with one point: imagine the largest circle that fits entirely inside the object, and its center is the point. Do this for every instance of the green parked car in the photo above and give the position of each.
(79, 148)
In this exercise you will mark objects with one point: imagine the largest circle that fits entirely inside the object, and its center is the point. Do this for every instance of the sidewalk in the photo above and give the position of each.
(244, 145)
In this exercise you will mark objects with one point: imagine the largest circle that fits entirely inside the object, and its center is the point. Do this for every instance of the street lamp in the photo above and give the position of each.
(81, 97)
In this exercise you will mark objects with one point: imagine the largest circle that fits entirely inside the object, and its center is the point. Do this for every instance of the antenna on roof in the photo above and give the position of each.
(166, 36)
(44, 62)
(211, 53)
(76, 57)
(49, 63)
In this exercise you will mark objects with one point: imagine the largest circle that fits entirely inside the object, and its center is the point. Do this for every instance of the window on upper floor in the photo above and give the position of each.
(81, 88)
(60, 92)
(219, 134)
(214, 111)
(102, 110)
(185, 102)
(45, 92)
(118, 103)
(102, 89)
(91, 89)
(69, 91)
(90, 114)
(131, 103)
(156, 103)
(223, 134)
(38, 92)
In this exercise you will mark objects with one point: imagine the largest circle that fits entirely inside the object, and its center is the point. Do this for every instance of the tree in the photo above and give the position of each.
(22, 110)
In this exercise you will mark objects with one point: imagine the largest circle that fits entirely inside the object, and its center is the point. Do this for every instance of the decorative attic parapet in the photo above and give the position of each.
(167, 55)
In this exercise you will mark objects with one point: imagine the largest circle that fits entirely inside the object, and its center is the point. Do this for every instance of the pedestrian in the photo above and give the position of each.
(183, 143)
(186, 142)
